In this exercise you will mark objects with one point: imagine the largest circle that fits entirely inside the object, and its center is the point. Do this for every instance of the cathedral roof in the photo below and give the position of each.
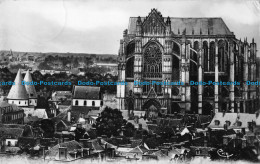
(18, 91)
(30, 88)
(196, 26)
(86, 92)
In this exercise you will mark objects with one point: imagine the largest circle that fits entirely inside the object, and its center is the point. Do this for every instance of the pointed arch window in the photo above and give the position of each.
(152, 61)
(76, 103)
(212, 52)
(130, 67)
(205, 50)
(221, 56)
(152, 67)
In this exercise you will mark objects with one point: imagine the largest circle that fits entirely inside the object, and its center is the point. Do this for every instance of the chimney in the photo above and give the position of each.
(225, 126)
(69, 115)
(140, 126)
(84, 142)
(243, 131)
(79, 125)
(55, 127)
(99, 140)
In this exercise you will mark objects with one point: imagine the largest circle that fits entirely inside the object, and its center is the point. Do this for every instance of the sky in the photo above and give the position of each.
(88, 26)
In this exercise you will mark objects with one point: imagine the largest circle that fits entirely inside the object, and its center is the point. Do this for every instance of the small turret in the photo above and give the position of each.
(18, 94)
(168, 26)
(139, 26)
(30, 89)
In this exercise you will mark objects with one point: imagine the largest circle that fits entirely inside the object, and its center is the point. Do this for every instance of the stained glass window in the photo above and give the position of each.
(152, 62)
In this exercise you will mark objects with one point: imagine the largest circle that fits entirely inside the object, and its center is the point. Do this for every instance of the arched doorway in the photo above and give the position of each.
(152, 108)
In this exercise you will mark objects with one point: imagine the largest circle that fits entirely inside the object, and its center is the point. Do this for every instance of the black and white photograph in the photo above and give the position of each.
(129, 81)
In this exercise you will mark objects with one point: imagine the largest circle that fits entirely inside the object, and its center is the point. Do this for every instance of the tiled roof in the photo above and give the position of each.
(12, 132)
(136, 143)
(140, 121)
(40, 113)
(18, 91)
(15, 107)
(213, 26)
(71, 146)
(63, 114)
(139, 149)
(169, 122)
(63, 93)
(30, 119)
(234, 118)
(86, 92)
(204, 151)
(4, 104)
(107, 144)
(77, 110)
(94, 112)
(30, 88)
(96, 146)
(11, 126)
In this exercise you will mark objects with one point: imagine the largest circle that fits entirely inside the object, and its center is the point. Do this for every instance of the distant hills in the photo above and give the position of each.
(42, 54)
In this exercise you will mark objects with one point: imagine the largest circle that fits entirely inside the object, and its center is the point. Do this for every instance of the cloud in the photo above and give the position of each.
(97, 26)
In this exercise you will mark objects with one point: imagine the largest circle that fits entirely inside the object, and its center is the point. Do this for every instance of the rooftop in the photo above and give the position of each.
(18, 91)
(196, 26)
(86, 92)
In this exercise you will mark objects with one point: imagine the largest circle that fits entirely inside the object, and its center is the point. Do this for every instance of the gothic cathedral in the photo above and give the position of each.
(183, 51)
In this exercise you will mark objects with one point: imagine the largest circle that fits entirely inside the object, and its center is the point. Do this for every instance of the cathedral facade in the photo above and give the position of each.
(185, 65)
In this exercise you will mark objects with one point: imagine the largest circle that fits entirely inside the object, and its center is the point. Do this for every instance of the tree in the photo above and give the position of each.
(79, 133)
(75, 62)
(129, 130)
(44, 66)
(110, 122)
(48, 128)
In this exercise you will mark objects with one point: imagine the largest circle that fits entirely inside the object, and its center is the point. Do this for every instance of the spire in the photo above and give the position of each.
(253, 40)
(139, 21)
(18, 91)
(184, 32)
(30, 88)
(168, 21)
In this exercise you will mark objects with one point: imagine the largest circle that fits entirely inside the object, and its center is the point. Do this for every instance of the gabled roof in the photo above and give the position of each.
(140, 121)
(63, 93)
(86, 92)
(30, 119)
(107, 144)
(139, 149)
(18, 91)
(234, 118)
(96, 146)
(4, 104)
(12, 132)
(212, 26)
(71, 146)
(40, 113)
(30, 88)
(16, 108)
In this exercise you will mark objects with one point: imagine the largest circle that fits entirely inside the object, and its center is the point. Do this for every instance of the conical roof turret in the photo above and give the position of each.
(18, 91)
(29, 88)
